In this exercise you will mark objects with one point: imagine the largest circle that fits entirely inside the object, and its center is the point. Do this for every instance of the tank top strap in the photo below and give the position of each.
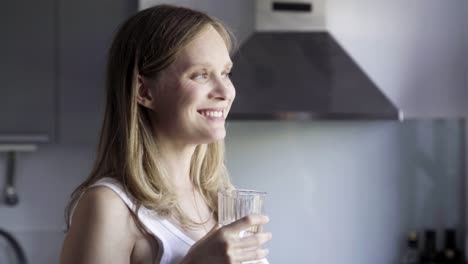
(115, 185)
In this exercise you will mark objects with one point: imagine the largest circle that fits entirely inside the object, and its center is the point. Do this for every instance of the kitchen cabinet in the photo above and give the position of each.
(27, 71)
(85, 33)
(53, 66)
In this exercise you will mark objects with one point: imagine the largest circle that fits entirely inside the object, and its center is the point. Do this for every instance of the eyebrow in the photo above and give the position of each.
(208, 65)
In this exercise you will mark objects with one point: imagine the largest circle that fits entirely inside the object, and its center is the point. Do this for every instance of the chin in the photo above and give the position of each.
(214, 137)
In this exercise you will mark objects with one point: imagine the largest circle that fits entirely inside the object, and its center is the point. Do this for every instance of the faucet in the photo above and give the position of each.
(21, 257)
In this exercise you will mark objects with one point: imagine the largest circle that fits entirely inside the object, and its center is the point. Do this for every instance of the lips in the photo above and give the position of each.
(215, 113)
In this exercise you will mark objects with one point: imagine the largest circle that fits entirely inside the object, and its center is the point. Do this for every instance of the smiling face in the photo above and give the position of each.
(192, 96)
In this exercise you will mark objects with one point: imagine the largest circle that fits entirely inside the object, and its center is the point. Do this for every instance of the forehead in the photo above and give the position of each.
(207, 48)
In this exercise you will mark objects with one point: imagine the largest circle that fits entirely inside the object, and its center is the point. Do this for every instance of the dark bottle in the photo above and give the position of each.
(411, 253)
(429, 254)
(450, 254)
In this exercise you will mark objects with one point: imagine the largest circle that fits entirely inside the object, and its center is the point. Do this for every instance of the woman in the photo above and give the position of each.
(152, 194)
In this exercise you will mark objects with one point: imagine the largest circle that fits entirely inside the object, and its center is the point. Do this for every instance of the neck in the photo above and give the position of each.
(177, 158)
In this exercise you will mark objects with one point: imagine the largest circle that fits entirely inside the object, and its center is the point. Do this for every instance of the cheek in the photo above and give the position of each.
(189, 94)
(233, 92)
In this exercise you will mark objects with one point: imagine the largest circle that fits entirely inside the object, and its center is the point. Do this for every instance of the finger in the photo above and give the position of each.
(254, 241)
(252, 255)
(247, 221)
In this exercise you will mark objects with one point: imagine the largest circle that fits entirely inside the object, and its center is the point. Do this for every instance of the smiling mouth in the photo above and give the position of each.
(212, 114)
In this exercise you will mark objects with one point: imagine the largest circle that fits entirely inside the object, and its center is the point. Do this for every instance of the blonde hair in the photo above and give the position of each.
(147, 43)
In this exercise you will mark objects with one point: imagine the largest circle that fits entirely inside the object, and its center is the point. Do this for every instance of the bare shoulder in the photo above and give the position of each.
(102, 230)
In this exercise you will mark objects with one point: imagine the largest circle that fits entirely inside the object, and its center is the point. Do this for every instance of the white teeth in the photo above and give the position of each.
(212, 113)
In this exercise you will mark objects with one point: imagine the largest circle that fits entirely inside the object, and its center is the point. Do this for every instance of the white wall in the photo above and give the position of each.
(411, 49)
(347, 192)
(44, 182)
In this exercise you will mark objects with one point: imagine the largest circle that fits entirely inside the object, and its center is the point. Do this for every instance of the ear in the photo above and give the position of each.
(145, 92)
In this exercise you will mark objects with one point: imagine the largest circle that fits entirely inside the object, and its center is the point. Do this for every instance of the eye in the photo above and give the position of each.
(227, 74)
(200, 76)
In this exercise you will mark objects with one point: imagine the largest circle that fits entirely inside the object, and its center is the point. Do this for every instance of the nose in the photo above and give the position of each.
(223, 89)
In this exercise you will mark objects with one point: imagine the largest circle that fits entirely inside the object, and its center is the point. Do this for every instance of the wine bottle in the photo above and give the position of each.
(411, 253)
(429, 254)
(450, 254)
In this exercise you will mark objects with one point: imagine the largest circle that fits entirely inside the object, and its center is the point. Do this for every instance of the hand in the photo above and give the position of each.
(225, 246)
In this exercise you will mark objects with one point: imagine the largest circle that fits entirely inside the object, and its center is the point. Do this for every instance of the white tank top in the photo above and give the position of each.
(173, 243)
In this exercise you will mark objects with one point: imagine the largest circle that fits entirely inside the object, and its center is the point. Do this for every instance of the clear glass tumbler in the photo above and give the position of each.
(235, 204)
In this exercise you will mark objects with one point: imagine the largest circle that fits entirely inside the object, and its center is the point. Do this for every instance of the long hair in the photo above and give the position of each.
(145, 44)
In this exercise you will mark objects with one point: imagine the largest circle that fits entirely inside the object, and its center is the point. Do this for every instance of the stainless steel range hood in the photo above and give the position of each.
(284, 74)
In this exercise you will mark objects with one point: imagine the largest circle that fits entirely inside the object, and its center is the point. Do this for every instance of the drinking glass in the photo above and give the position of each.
(235, 204)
